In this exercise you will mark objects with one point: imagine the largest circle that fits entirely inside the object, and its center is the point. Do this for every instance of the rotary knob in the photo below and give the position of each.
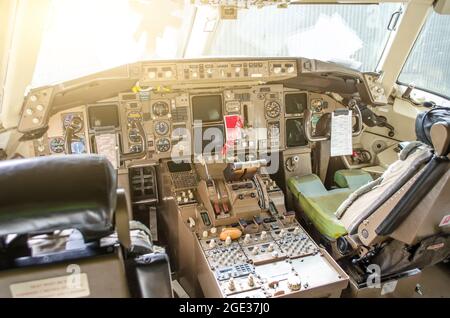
(297, 230)
(275, 254)
(282, 233)
(228, 241)
(294, 283)
(247, 239)
(270, 248)
(205, 234)
(212, 243)
(255, 250)
(213, 230)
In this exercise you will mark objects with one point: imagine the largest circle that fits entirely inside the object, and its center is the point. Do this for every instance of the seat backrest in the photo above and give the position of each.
(419, 179)
(47, 194)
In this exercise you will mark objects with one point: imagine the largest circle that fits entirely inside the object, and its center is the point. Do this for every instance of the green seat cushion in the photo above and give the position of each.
(319, 204)
(352, 179)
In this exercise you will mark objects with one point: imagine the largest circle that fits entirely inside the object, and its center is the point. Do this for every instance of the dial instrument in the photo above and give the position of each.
(162, 128)
(273, 109)
(317, 105)
(134, 135)
(75, 121)
(57, 145)
(160, 109)
(78, 146)
(163, 145)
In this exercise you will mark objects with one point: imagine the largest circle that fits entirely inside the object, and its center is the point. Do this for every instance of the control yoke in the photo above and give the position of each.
(137, 155)
(72, 129)
(353, 106)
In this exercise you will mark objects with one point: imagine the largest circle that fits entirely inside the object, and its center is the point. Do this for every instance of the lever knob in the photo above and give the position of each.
(231, 285)
(251, 280)
(294, 283)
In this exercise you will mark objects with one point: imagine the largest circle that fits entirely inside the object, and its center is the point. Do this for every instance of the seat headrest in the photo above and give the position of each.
(440, 136)
(439, 116)
(47, 194)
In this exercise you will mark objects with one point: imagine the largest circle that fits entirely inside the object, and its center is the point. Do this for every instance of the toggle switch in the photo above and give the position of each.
(263, 235)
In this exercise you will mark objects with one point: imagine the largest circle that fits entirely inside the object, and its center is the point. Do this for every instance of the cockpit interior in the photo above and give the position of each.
(224, 149)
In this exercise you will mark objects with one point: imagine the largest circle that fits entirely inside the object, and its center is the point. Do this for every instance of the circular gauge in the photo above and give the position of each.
(132, 116)
(75, 121)
(161, 109)
(134, 135)
(57, 145)
(163, 145)
(78, 147)
(162, 128)
(273, 109)
(317, 105)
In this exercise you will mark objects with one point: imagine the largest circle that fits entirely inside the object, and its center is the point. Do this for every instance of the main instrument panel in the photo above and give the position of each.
(271, 118)
(169, 98)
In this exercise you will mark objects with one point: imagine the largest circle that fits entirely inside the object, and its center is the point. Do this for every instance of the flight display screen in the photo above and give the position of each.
(103, 116)
(295, 136)
(296, 103)
(207, 108)
(210, 139)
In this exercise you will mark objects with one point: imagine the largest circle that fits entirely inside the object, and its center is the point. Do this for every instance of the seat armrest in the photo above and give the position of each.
(150, 276)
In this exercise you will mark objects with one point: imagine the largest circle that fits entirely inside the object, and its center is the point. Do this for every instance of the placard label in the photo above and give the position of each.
(71, 286)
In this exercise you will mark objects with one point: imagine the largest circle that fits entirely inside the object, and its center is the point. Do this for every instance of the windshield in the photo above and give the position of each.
(428, 65)
(86, 36)
(353, 35)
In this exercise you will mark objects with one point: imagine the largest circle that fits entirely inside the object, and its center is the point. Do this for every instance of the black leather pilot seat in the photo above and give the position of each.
(65, 233)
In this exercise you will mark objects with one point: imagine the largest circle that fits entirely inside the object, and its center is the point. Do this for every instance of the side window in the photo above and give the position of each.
(428, 65)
